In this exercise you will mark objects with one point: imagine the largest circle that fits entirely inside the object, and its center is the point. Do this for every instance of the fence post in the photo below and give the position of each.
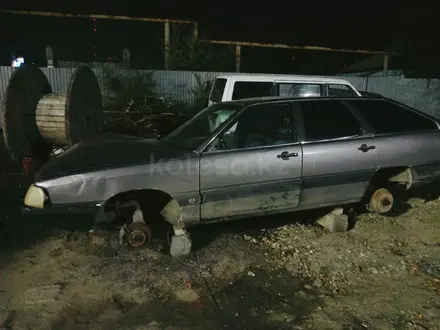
(237, 58)
(167, 44)
(385, 65)
(126, 57)
(196, 31)
(49, 57)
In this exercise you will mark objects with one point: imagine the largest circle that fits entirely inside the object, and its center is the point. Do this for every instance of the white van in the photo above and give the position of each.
(239, 86)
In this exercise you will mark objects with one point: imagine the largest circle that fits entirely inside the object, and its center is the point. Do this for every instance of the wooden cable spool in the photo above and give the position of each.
(35, 120)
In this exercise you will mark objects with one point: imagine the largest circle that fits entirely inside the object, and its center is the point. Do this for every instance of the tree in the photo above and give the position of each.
(191, 54)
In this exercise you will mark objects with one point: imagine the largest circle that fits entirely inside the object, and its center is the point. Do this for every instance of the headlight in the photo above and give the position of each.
(35, 197)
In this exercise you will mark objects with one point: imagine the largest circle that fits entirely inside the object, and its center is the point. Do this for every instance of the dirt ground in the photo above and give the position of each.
(270, 273)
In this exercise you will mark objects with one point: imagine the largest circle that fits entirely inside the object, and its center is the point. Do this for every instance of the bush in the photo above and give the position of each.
(126, 90)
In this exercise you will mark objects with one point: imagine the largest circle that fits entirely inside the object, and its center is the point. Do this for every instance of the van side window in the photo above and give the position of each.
(247, 89)
(299, 90)
(218, 90)
(340, 90)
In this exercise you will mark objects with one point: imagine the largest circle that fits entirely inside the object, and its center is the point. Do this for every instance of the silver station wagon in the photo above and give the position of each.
(245, 158)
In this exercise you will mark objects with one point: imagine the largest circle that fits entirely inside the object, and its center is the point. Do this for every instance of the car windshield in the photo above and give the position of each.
(192, 133)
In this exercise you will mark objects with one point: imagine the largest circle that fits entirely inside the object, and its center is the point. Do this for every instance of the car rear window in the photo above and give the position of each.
(389, 117)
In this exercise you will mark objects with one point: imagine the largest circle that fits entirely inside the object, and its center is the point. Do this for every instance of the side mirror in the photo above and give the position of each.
(222, 143)
(217, 144)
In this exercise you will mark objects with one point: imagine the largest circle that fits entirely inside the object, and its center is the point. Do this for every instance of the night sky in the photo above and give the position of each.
(353, 25)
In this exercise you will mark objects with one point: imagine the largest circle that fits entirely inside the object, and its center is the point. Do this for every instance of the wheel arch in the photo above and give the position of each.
(151, 201)
(395, 174)
(394, 178)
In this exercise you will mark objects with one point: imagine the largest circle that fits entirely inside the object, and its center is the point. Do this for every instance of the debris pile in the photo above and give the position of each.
(151, 117)
(147, 124)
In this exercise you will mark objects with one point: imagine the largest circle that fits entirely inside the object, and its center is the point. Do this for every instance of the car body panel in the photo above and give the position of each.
(94, 171)
(245, 182)
(337, 171)
(419, 151)
(105, 152)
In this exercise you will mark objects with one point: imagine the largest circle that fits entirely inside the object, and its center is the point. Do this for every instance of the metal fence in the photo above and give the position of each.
(182, 86)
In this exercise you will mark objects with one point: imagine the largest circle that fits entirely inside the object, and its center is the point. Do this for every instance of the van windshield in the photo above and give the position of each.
(218, 90)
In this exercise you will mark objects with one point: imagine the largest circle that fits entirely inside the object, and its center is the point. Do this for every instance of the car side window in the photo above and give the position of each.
(259, 126)
(328, 119)
(388, 117)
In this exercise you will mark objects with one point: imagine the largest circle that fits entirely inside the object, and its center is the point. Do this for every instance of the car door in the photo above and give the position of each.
(339, 157)
(256, 169)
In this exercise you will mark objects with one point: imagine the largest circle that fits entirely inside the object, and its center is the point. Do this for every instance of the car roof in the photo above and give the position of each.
(283, 77)
(269, 99)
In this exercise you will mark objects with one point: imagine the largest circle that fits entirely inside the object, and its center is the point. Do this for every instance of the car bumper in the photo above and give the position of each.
(69, 217)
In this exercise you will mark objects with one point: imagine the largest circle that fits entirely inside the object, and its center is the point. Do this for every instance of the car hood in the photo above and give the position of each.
(108, 151)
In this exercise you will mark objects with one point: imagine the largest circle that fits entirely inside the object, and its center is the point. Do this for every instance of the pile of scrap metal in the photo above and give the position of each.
(148, 124)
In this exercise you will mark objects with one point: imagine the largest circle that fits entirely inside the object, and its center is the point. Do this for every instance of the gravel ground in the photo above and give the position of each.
(268, 273)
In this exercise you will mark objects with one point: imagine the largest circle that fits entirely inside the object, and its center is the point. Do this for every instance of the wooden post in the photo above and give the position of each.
(385, 65)
(50, 63)
(237, 58)
(196, 31)
(167, 44)
(126, 57)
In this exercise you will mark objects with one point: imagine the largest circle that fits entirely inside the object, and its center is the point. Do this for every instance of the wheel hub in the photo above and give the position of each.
(381, 201)
(139, 234)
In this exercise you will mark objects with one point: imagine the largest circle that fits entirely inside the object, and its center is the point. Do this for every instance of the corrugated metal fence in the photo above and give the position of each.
(182, 86)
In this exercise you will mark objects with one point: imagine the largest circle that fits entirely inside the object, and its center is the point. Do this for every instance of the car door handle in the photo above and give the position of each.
(365, 147)
(286, 155)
